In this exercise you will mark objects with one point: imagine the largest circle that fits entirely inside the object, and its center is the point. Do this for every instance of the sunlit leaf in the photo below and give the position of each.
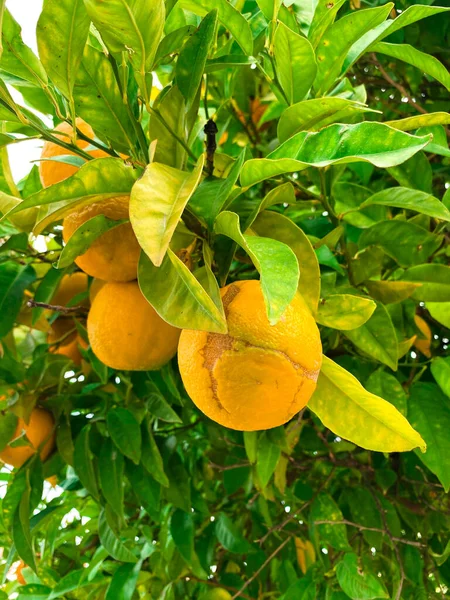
(343, 311)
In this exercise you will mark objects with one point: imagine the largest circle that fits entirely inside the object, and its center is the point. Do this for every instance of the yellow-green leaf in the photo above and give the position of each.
(353, 413)
(344, 311)
(157, 202)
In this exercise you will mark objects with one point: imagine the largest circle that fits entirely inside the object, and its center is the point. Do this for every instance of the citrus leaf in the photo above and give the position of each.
(157, 202)
(440, 311)
(111, 543)
(410, 123)
(324, 508)
(125, 432)
(296, 65)
(229, 17)
(141, 28)
(375, 143)
(123, 582)
(84, 461)
(14, 280)
(339, 38)
(429, 413)
(98, 179)
(182, 530)
(269, 8)
(84, 236)
(387, 386)
(280, 228)
(192, 58)
(276, 263)
(377, 337)
(21, 533)
(230, 537)
(343, 311)
(409, 199)
(61, 32)
(324, 15)
(111, 469)
(390, 292)
(434, 280)
(315, 114)
(357, 583)
(177, 296)
(267, 457)
(370, 421)
(146, 489)
(99, 101)
(405, 242)
(8, 424)
(425, 62)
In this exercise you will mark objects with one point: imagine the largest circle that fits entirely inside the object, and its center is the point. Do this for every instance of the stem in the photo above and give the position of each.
(157, 114)
(57, 308)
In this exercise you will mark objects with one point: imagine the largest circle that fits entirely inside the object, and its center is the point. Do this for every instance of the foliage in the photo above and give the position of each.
(333, 162)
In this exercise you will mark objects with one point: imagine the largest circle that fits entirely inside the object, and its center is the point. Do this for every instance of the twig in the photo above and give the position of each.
(57, 308)
(398, 86)
(229, 467)
(261, 568)
(364, 528)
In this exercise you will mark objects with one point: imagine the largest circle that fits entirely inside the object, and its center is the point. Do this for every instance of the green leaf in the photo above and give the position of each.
(440, 367)
(64, 441)
(157, 202)
(158, 406)
(411, 15)
(324, 16)
(434, 280)
(429, 412)
(125, 432)
(440, 311)
(230, 537)
(390, 292)
(324, 508)
(410, 123)
(370, 421)
(441, 558)
(98, 179)
(84, 461)
(179, 490)
(278, 227)
(123, 582)
(251, 445)
(182, 530)
(8, 424)
(409, 199)
(375, 143)
(276, 263)
(267, 457)
(387, 386)
(229, 17)
(295, 63)
(269, 8)
(212, 194)
(415, 173)
(61, 32)
(141, 28)
(343, 311)
(172, 42)
(70, 582)
(111, 469)
(339, 38)
(377, 338)
(84, 237)
(23, 221)
(302, 589)
(348, 201)
(111, 543)
(425, 62)
(365, 510)
(177, 296)
(192, 58)
(146, 489)
(407, 243)
(21, 533)
(151, 457)
(17, 58)
(356, 583)
(312, 115)
(14, 280)
(171, 107)
(98, 100)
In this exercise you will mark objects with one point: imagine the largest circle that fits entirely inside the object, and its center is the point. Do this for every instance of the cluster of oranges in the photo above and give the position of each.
(256, 376)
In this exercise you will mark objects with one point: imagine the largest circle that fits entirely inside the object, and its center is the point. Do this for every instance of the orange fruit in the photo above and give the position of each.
(125, 331)
(52, 171)
(114, 255)
(70, 349)
(423, 345)
(96, 286)
(257, 376)
(38, 430)
(17, 572)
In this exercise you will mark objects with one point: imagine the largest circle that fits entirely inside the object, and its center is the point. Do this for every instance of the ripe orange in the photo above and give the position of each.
(70, 349)
(125, 331)
(52, 171)
(114, 255)
(39, 430)
(423, 345)
(17, 571)
(96, 286)
(257, 376)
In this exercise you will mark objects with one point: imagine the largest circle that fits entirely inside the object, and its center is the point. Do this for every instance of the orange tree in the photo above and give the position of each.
(296, 156)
